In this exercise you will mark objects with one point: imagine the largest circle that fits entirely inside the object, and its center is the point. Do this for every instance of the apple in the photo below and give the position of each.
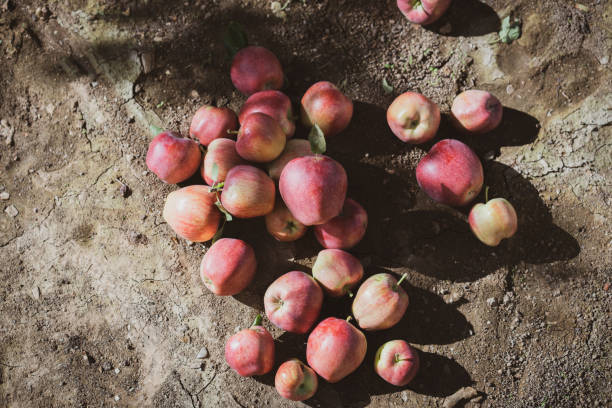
(256, 69)
(210, 123)
(450, 173)
(173, 158)
(274, 104)
(293, 302)
(335, 349)
(251, 351)
(345, 230)
(396, 362)
(260, 138)
(423, 12)
(191, 212)
(476, 112)
(295, 380)
(282, 225)
(337, 271)
(221, 152)
(293, 149)
(380, 302)
(413, 118)
(493, 221)
(248, 192)
(313, 188)
(228, 266)
(325, 105)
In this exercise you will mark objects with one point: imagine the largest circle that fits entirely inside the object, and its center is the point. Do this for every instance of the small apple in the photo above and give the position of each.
(210, 123)
(274, 104)
(282, 225)
(337, 271)
(191, 212)
(493, 221)
(476, 112)
(335, 349)
(260, 138)
(173, 158)
(450, 173)
(256, 69)
(380, 302)
(295, 380)
(325, 105)
(396, 362)
(221, 152)
(313, 188)
(293, 302)
(423, 12)
(228, 266)
(345, 230)
(413, 118)
(293, 149)
(248, 192)
(251, 351)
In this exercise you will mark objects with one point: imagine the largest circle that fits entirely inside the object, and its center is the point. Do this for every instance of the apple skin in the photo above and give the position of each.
(380, 302)
(396, 362)
(493, 221)
(256, 69)
(337, 271)
(423, 12)
(191, 212)
(260, 138)
(223, 152)
(293, 302)
(324, 104)
(413, 118)
(345, 230)
(296, 381)
(450, 173)
(273, 103)
(248, 192)
(228, 266)
(210, 123)
(313, 188)
(173, 158)
(282, 225)
(293, 149)
(251, 351)
(476, 112)
(335, 349)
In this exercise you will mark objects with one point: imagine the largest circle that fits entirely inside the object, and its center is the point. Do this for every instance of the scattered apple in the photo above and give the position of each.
(210, 123)
(295, 380)
(251, 351)
(228, 266)
(337, 271)
(248, 192)
(173, 158)
(274, 104)
(493, 221)
(282, 225)
(221, 152)
(396, 362)
(413, 118)
(423, 12)
(345, 230)
(324, 104)
(256, 69)
(260, 138)
(192, 214)
(476, 112)
(293, 149)
(380, 302)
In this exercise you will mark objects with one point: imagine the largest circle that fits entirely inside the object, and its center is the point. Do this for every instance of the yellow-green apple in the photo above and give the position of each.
(295, 380)
(248, 192)
(396, 362)
(274, 104)
(282, 225)
(380, 302)
(210, 123)
(256, 69)
(423, 12)
(293, 302)
(293, 149)
(413, 118)
(191, 213)
(228, 266)
(251, 351)
(260, 138)
(493, 221)
(337, 271)
(476, 112)
(345, 230)
(325, 105)
(173, 158)
(450, 173)
(221, 152)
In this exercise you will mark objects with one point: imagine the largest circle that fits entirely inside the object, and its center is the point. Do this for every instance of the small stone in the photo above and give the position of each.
(117, 398)
(491, 301)
(117, 370)
(11, 211)
(194, 94)
(202, 354)
(510, 89)
(125, 191)
(4, 195)
(604, 60)
(147, 59)
(106, 366)
(86, 359)
(36, 292)
(405, 396)
(453, 297)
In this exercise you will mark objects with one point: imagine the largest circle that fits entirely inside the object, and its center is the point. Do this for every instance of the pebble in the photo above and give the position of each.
(194, 94)
(11, 211)
(491, 301)
(117, 370)
(509, 89)
(507, 297)
(202, 354)
(36, 292)
(4, 195)
(106, 366)
(117, 398)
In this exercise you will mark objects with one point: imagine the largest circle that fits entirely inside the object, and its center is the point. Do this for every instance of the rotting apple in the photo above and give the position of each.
(295, 381)
(337, 271)
(396, 362)
(260, 138)
(210, 123)
(228, 266)
(192, 214)
(380, 302)
(256, 69)
(248, 192)
(173, 158)
(282, 225)
(251, 351)
(413, 118)
(423, 12)
(274, 104)
(221, 152)
(293, 149)
(345, 230)
(476, 112)
(493, 221)
(325, 105)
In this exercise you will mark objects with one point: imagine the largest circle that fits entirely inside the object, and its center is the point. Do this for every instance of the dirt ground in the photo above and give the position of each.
(101, 305)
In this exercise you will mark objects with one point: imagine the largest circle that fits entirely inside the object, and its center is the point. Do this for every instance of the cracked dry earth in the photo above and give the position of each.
(101, 304)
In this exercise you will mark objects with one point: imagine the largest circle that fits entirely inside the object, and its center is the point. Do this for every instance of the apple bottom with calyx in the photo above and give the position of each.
(295, 380)
(493, 221)
(282, 225)
(396, 362)
(251, 351)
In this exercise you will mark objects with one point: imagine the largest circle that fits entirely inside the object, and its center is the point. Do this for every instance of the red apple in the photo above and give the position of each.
(221, 152)
(191, 212)
(325, 105)
(248, 192)
(493, 221)
(274, 104)
(337, 271)
(413, 118)
(295, 380)
(293, 149)
(228, 266)
(335, 349)
(251, 351)
(256, 69)
(476, 112)
(210, 123)
(450, 173)
(293, 302)
(313, 188)
(260, 138)
(380, 302)
(173, 158)
(345, 230)
(396, 362)
(423, 12)
(282, 225)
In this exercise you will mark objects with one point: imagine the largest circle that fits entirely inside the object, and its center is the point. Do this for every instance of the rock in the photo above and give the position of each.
(117, 370)
(107, 366)
(491, 301)
(11, 211)
(36, 292)
(147, 59)
(453, 297)
(507, 297)
(202, 354)
(510, 89)
(194, 94)
(4, 195)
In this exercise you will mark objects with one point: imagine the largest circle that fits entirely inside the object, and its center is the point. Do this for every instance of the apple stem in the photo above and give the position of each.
(257, 321)
(348, 319)
(232, 132)
(404, 276)
(486, 194)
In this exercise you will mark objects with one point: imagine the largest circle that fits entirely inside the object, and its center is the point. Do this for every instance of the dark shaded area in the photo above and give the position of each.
(467, 18)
